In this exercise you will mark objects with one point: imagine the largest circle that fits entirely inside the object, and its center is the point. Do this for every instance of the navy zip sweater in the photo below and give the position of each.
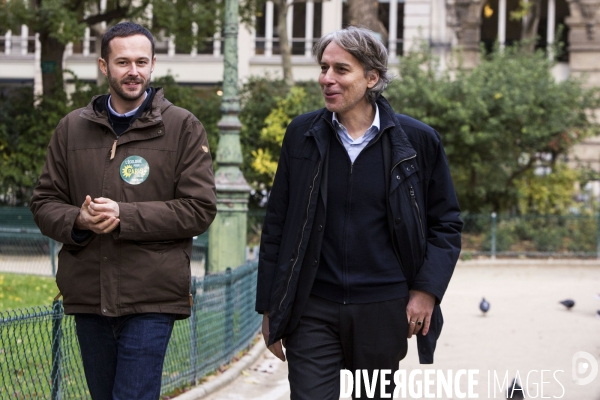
(358, 264)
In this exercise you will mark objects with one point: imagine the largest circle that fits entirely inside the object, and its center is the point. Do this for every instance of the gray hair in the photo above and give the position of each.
(368, 50)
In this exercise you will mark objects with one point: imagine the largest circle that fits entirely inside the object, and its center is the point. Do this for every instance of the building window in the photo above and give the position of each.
(497, 25)
(388, 20)
(305, 28)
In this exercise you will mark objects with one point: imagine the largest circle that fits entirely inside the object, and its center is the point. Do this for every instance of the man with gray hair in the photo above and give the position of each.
(362, 230)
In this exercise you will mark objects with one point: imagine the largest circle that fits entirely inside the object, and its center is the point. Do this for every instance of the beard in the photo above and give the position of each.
(116, 86)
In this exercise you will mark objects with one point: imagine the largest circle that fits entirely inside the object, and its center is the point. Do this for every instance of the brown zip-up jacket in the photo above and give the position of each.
(144, 265)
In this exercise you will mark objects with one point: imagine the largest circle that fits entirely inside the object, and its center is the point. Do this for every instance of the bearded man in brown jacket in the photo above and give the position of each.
(127, 184)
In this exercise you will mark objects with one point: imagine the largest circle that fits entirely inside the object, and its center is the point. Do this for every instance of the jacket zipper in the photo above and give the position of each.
(345, 237)
(301, 237)
(414, 200)
(395, 242)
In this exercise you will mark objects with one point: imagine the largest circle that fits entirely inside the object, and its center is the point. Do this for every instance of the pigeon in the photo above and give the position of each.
(568, 303)
(598, 313)
(515, 391)
(484, 306)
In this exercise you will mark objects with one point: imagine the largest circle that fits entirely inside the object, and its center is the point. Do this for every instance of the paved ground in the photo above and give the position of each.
(525, 331)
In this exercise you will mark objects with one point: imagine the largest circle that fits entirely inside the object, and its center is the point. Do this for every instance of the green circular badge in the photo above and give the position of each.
(134, 170)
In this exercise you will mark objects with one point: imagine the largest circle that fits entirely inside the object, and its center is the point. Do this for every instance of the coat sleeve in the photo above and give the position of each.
(193, 206)
(444, 228)
(272, 232)
(51, 204)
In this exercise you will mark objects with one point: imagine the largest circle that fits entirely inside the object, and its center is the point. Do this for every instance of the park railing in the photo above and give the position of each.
(532, 236)
(39, 351)
(24, 250)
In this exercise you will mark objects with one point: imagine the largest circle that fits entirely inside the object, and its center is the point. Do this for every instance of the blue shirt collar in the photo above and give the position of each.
(368, 135)
(128, 113)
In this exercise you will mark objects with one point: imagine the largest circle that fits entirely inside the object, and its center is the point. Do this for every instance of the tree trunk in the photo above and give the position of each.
(52, 65)
(98, 32)
(531, 23)
(365, 13)
(284, 44)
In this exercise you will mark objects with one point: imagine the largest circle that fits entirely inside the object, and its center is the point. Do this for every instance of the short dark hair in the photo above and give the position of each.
(123, 29)
(368, 50)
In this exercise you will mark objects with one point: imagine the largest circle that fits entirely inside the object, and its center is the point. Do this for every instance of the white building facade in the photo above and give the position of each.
(444, 24)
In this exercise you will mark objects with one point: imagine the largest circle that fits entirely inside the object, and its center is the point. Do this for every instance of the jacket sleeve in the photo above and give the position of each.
(51, 205)
(443, 229)
(193, 206)
(272, 233)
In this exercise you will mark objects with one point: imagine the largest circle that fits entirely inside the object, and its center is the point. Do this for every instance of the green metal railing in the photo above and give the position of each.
(536, 236)
(40, 358)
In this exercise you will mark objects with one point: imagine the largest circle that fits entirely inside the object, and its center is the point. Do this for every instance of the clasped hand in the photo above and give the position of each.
(98, 216)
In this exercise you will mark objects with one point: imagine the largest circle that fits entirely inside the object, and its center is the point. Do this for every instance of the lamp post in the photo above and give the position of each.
(227, 235)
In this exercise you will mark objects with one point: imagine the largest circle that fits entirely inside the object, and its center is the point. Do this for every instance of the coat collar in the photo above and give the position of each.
(401, 147)
(96, 110)
(321, 129)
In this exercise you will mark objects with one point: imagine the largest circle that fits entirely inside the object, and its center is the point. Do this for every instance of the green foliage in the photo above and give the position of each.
(497, 121)
(533, 234)
(177, 18)
(292, 105)
(63, 23)
(547, 194)
(266, 105)
(258, 97)
(582, 236)
(28, 131)
(522, 11)
(505, 237)
(13, 14)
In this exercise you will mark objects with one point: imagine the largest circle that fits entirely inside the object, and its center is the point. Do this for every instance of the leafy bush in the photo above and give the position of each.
(267, 106)
(583, 234)
(24, 135)
(505, 237)
(549, 239)
(499, 122)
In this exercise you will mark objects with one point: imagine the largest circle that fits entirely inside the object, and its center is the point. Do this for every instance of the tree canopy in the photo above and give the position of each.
(506, 122)
(62, 21)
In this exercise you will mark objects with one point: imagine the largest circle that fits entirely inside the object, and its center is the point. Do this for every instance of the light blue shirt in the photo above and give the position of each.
(128, 113)
(354, 147)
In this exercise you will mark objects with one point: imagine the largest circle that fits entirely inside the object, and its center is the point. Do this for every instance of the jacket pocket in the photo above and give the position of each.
(78, 277)
(153, 273)
(71, 248)
(157, 246)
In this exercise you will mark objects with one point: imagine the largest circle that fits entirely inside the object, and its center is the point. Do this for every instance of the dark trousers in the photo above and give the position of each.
(332, 336)
(123, 356)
